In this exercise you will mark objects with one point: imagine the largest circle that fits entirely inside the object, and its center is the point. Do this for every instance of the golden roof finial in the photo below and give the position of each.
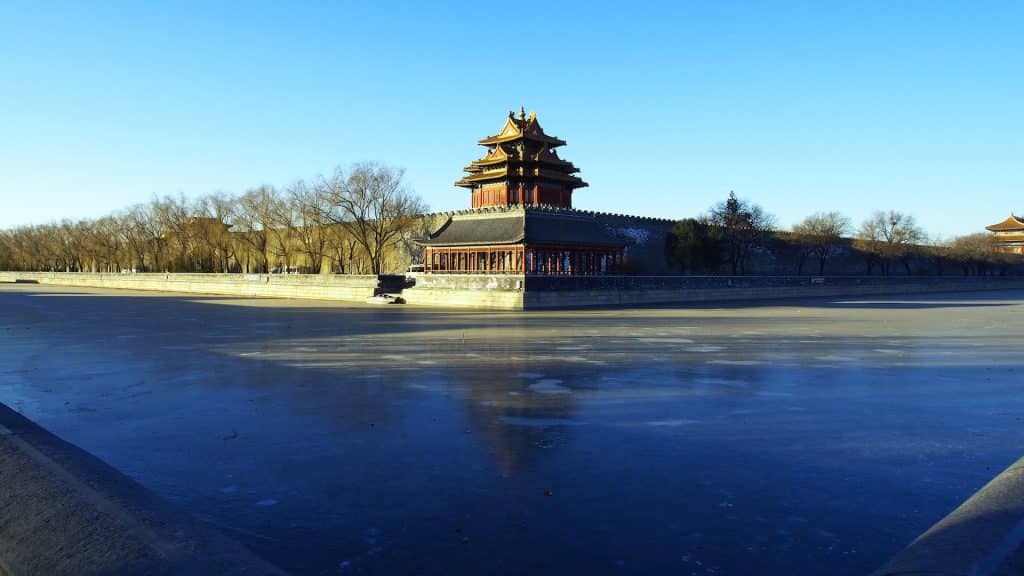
(522, 113)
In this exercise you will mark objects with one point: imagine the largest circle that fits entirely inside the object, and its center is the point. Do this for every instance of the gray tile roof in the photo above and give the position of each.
(533, 227)
(569, 230)
(501, 229)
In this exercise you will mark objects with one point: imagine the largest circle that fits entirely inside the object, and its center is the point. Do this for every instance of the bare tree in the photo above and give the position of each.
(172, 216)
(136, 236)
(109, 247)
(254, 221)
(209, 232)
(71, 244)
(342, 249)
(310, 206)
(940, 252)
(975, 253)
(821, 234)
(376, 206)
(285, 220)
(888, 236)
(223, 208)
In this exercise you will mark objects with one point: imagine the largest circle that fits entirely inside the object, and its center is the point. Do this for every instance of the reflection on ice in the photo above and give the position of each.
(538, 422)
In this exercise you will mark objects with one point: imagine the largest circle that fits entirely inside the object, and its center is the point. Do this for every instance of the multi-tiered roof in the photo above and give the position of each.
(521, 167)
(1009, 234)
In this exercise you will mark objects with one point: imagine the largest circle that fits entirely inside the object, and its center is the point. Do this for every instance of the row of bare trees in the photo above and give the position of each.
(735, 230)
(888, 238)
(353, 221)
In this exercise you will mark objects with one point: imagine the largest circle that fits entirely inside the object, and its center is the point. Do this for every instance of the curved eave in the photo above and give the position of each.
(560, 165)
(490, 162)
(574, 181)
(487, 175)
(491, 140)
(482, 177)
(555, 162)
(442, 244)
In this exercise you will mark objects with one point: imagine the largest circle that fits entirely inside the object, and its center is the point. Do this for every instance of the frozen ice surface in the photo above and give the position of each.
(549, 386)
(793, 438)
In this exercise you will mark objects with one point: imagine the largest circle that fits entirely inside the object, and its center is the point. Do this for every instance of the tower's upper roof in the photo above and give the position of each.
(523, 127)
(521, 150)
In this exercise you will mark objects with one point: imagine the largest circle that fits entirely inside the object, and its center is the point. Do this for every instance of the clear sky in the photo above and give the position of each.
(666, 106)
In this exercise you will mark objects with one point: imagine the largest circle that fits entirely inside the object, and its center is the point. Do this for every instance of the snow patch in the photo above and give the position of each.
(549, 386)
(671, 423)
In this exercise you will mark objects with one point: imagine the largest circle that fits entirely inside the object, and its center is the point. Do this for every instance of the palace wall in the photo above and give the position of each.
(647, 253)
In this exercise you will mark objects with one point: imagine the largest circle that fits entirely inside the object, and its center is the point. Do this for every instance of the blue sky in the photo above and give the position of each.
(666, 106)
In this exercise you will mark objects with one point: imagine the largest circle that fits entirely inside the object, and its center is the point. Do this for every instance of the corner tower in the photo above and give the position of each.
(521, 167)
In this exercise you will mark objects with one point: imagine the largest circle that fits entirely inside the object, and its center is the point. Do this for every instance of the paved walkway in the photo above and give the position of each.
(62, 511)
(982, 537)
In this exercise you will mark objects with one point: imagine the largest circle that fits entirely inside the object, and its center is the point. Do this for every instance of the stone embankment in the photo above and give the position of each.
(983, 537)
(319, 287)
(511, 292)
(554, 292)
(517, 292)
(63, 511)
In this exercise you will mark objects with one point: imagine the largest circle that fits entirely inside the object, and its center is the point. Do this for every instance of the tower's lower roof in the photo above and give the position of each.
(524, 225)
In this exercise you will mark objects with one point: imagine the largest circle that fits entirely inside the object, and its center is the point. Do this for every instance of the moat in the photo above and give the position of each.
(815, 436)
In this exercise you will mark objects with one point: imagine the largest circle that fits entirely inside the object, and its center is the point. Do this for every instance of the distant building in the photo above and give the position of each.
(198, 224)
(1009, 234)
(522, 219)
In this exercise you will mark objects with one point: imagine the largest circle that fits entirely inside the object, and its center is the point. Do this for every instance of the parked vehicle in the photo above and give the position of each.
(385, 299)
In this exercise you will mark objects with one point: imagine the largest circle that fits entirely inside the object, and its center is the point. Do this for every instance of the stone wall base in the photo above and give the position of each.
(516, 292)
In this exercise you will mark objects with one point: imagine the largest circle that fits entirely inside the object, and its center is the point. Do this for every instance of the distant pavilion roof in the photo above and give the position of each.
(1011, 224)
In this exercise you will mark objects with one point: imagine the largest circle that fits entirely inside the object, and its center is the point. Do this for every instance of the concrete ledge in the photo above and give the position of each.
(983, 537)
(478, 299)
(517, 292)
(311, 286)
(63, 511)
(626, 297)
